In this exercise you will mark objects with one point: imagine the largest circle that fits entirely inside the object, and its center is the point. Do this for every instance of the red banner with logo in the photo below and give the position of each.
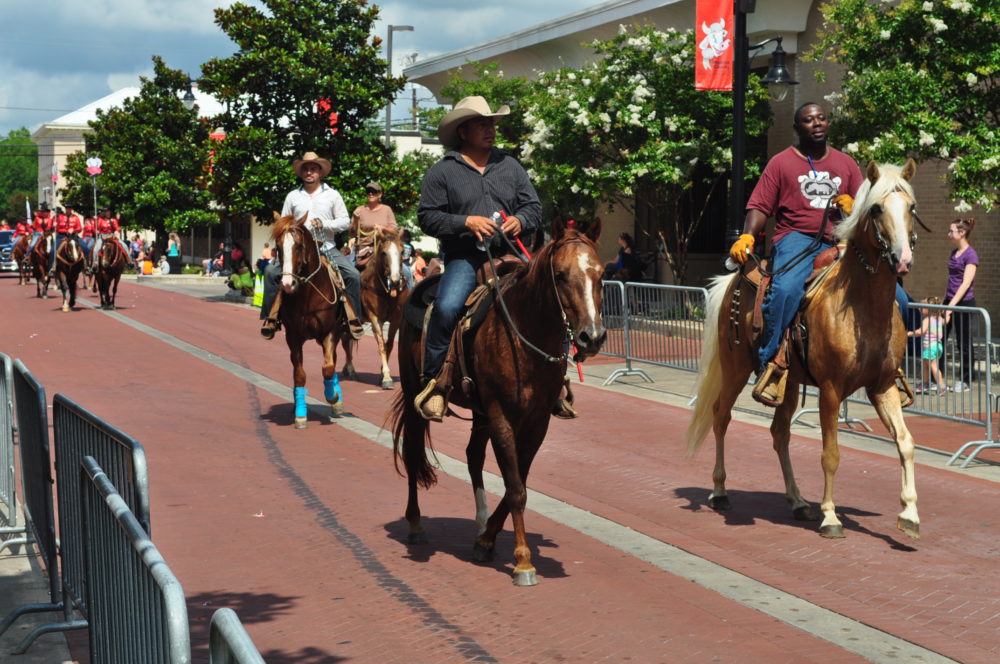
(713, 56)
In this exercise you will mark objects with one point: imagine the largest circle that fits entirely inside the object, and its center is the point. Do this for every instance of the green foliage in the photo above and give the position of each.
(18, 173)
(631, 130)
(922, 80)
(154, 153)
(294, 57)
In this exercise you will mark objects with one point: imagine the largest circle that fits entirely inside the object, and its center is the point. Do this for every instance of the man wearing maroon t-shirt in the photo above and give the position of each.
(797, 188)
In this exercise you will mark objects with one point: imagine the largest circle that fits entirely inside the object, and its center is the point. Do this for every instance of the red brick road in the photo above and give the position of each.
(301, 532)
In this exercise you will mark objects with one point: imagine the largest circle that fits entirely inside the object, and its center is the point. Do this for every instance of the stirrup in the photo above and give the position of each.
(356, 328)
(770, 387)
(431, 403)
(906, 396)
(564, 406)
(269, 328)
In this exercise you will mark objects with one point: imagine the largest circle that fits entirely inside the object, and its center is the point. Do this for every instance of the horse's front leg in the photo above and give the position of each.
(890, 412)
(298, 379)
(780, 434)
(829, 413)
(331, 385)
(386, 379)
(475, 456)
(349, 345)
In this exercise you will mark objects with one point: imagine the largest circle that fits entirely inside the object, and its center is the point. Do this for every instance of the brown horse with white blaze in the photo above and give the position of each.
(108, 267)
(517, 361)
(310, 309)
(856, 340)
(69, 264)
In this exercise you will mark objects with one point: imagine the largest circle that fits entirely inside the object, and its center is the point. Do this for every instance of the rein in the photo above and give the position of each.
(885, 254)
(319, 266)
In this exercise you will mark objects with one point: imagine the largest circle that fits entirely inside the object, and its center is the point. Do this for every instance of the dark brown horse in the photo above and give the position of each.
(38, 261)
(517, 360)
(17, 255)
(856, 340)
(310, 309)
(108, 267)
(69, 264)
(383, 292)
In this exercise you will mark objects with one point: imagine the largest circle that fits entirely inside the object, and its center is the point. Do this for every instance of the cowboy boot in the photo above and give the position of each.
(432, 402)
(564, 407)
(354, 325)
(272, 323)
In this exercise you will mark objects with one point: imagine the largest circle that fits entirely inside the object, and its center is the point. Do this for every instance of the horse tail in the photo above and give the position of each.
(411, 433)
(709, 367)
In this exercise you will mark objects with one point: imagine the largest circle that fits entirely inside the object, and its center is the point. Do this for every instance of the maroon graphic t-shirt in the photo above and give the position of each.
(795, 192)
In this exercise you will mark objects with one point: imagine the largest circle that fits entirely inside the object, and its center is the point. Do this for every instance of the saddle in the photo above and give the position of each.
(419, 305)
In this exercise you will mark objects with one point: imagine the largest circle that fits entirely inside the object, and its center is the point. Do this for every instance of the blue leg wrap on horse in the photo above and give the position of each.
(300, 401)
(331, 389)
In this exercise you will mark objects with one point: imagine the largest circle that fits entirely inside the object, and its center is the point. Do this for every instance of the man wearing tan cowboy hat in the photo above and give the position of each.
(326, 214)
(459, 196)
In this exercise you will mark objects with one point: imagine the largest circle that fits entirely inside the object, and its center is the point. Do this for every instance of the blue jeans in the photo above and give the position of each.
(458, 280)
(349, 273)
(787, 288)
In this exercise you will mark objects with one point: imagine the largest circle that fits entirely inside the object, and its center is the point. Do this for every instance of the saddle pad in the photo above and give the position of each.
(423, 296)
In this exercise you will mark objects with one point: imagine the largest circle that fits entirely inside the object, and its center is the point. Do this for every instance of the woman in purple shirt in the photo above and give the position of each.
(962, 265)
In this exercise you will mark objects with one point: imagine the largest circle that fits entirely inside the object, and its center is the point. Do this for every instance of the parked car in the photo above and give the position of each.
(6, 245)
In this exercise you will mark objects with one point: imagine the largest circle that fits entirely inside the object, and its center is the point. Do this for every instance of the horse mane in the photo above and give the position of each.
(889, 179)
(543, 255)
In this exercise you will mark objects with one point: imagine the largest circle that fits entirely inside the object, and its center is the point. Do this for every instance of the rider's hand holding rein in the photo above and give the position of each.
(511, 225)
(482, 227)
(752, 225)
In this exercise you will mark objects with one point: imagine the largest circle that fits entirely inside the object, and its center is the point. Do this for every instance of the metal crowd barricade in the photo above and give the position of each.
(228, 641)
(36, 480)
(8, 483)
(136, 605)
(663, 325)
(615, 316)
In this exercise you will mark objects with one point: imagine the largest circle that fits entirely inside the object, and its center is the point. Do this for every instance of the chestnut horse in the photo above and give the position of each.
(856, 340)
(383, 292)
(517, 360)
(17, 255)
(108, 268)
(38, 261)
(310, 309)
(69, 264)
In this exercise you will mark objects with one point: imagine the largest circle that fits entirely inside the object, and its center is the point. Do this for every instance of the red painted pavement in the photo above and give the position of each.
(301, 532)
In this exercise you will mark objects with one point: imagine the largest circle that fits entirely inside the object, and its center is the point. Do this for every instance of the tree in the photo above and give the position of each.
(922, 80)
(307, 77)
(18, 173)
(154, 153)
(630, 130)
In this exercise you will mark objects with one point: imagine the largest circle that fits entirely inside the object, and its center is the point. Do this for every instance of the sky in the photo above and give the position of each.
(59, 55)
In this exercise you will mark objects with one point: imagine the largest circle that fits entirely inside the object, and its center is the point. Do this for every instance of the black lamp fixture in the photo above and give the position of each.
(778, 81)
(188, 98)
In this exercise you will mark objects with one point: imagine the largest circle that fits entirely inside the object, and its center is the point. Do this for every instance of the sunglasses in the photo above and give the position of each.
(372, 191)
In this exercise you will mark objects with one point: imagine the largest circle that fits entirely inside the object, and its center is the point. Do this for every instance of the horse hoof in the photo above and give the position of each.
(803, 513)
(300, 423)
(911, 529)
(417, 537)
(65, 307)
(387, 384)
(719, 503)
(337, 409)
(526, 578)
(832, 532)
(483, 554)
(350, 374)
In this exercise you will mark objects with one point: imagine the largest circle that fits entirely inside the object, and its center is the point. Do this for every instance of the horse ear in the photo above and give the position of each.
(872, 172)
(909, 169)
(558, 228)
(277, 217)
(594, 231)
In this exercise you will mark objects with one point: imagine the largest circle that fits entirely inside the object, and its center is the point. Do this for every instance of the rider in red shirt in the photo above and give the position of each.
(42, 224)
(22, 228)
(107, 227)
(4, 226)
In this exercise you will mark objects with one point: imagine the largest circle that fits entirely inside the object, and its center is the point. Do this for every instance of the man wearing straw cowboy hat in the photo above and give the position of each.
(460, 194)
(325, 212)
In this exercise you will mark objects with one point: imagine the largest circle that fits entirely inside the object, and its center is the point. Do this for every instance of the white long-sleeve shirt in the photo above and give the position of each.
(324, 204)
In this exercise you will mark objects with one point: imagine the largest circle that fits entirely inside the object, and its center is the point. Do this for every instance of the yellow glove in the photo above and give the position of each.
(845, 201)
(741, 248)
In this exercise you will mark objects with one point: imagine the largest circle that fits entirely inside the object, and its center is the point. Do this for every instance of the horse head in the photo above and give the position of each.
(290, 237)
(881, 224)
(71, 252)
(388, 259)
(576, 272)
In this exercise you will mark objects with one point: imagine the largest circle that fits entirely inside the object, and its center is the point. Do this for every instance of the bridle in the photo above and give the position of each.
(881, 244)
(288, 270)
(381, 263)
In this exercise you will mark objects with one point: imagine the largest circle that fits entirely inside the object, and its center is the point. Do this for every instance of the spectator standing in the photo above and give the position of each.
(962, 265)
(174, 253)
(265, 258)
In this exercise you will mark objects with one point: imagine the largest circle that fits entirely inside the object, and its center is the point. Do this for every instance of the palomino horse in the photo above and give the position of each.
(310, 309)
(17, 255)
(38, 261)
(108, 267)
(69, 264)
(856, 340)
(517, 360)
(383, 292)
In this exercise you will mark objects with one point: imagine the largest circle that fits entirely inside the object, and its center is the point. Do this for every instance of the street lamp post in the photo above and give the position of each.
(777, 76)
(188, 99)
(388, 56)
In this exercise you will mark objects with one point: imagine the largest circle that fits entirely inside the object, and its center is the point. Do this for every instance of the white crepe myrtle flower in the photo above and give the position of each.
(574, 105)
(851, 148)
(991, 162)
(971, 78)
(943, 152)
(928, 6)
(677, 59)
(962, 206)
(575, 188)
(925, 139)
(937, 24)
(885, 34)
(960, 5)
